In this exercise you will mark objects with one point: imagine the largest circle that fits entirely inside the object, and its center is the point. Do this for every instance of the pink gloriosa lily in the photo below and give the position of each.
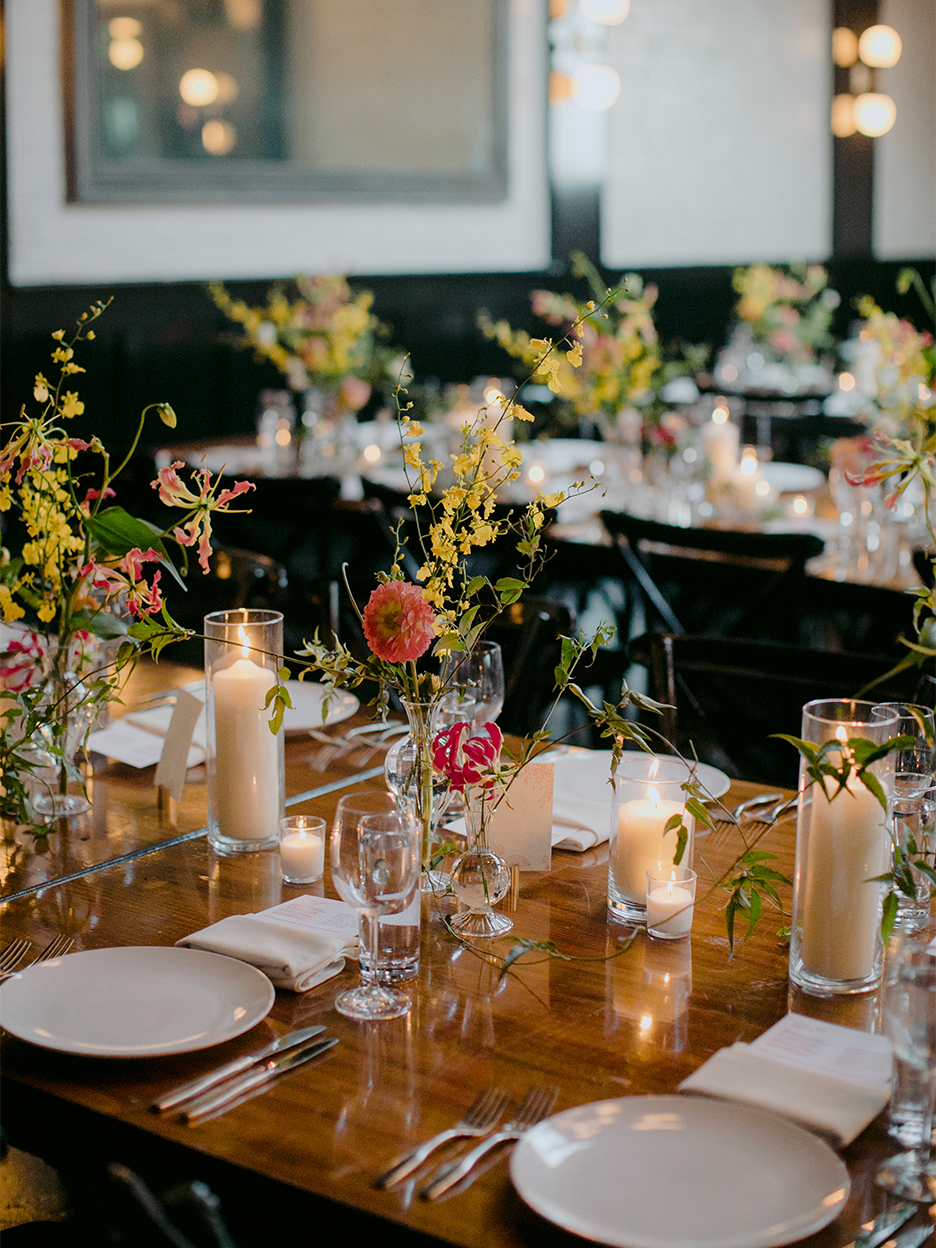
(466, 763)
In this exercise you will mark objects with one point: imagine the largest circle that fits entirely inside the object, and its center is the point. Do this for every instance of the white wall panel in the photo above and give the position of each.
(719, 146)
(905, 158)
(52, 241)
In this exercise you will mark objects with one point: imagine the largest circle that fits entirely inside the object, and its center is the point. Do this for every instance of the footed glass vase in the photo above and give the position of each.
(414, 782)
(480, 876)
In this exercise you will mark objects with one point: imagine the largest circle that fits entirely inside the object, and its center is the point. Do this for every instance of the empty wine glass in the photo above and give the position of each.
(375, 868)
(475, 687)
(914, 777)
(910, 1021)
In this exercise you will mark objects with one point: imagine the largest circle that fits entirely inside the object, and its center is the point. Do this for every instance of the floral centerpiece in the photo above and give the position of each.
(86, 585)
(318, 334)
(902, 366)
(617, 372)
(789, 309)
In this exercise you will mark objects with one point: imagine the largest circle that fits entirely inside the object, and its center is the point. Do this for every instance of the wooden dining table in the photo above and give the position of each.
(600, 1019)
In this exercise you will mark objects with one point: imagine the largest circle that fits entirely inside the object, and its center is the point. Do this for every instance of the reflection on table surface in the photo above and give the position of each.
(597, 1025)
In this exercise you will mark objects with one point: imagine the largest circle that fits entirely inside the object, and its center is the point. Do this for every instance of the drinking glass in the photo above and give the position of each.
(914, 778)
(375, 868)
(910, 1021)
(476, 687)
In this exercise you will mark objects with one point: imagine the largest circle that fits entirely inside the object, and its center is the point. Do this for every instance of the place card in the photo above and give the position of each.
(830, 1049)
(520, 829)
(321, 915)
(177, 747)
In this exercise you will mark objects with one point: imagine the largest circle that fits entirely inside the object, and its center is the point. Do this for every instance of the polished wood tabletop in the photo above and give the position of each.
(593, 1024)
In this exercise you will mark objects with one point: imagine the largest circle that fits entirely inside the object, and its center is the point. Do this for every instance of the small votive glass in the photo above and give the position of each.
(646, 800)
(302, 848)
(670, 901)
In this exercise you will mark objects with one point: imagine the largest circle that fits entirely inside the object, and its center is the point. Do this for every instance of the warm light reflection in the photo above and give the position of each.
(880, 47)
(607, 12)
(124, 28)
(800, 505)
(242, 638)
(218, 137)
(729, 372)
(874, 113)
(125, 53)
(228, 90)
(198, 87)
(646, 1022)
(493, 394)
(846, 381)
(560, 87)
(843, 115)
(844, 46)
(762, 488)
(748, 463)
(596, 87)
(243, 14)
(536, 474)
(720, 414)
(372, 453)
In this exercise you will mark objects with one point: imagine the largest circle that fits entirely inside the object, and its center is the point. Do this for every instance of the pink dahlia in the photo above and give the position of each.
(399, 623)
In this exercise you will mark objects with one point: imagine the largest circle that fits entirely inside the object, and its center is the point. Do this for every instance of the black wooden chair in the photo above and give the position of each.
(714, 582)
(725, 697)
(529, 633)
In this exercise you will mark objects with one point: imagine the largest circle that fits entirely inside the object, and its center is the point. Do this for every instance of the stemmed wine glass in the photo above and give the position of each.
(475, 684)
(375, 868)
(910, 1021)
(914, 778)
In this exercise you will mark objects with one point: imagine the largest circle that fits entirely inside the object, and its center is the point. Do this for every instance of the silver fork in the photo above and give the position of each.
(13, 954)
(535, 1106)
(56, 948)
(478, 1119)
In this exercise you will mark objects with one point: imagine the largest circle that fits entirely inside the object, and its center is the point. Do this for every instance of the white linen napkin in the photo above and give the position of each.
(789, 1070)
(292, 957)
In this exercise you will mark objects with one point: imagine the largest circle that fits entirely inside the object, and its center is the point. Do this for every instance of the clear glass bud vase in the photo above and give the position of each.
(480, 877)
(58, 786)
(413, 781)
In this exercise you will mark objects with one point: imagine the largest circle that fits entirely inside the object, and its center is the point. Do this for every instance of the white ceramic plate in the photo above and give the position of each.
(791, 478)
(305, 712)
(585, 773)
(679, 1172)
(134, 1002)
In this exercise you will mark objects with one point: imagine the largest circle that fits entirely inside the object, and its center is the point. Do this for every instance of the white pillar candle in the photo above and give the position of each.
(721, 441)
(669, 909)
(841, 910)
(246, 753)
(640, 843)
(302, 855)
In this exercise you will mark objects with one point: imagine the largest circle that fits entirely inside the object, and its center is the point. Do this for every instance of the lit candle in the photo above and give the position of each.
(669, 906)
(841, 909)
(721, 440)
(246, 782)
(640, 843)
(303, 856)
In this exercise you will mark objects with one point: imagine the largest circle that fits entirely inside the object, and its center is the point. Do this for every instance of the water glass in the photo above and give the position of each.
(375, 868)
(910, 1021)
(476, 687)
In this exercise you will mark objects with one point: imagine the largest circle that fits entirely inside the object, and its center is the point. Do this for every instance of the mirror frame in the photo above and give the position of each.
(92, 179)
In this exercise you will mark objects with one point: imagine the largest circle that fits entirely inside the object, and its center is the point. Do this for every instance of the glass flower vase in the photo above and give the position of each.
(480, 876)
(58, 786)
(413, 781)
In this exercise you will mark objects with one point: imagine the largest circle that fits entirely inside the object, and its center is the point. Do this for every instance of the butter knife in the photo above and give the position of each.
(255, 1079)
(195, 1087)
(884, 1225)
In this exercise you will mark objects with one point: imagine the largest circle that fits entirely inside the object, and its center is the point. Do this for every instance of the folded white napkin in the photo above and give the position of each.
(290, 956)
(578, 824)
(837, 1105)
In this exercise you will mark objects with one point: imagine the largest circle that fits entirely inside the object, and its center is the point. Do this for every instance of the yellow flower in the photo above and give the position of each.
(41, 389)
(8, 608)
(72, 405)
(575, 355)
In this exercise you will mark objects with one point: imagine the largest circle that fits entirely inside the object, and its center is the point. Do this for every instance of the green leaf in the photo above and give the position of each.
(888, 915)
(117, 532)
(873, 785)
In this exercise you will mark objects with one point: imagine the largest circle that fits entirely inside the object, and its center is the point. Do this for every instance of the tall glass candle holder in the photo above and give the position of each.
(246, 769)
(643, 805)
(841, 845)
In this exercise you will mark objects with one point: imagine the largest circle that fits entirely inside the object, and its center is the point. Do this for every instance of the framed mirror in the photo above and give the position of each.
(270, 101)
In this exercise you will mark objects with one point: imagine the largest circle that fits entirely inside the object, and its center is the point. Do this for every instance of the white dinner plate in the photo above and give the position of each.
(585, 773)
(679, 1172)
(307, 697)
(134, 1002)
(791, 478)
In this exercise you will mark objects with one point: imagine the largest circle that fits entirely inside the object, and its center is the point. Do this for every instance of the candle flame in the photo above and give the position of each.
(841, 734)
(654, 768)
(242, 638)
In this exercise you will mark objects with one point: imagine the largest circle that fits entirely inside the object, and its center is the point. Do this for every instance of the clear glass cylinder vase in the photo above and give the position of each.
(413, 781)
(841, 845)
(480, 876)
(245, 760)
(58, 786)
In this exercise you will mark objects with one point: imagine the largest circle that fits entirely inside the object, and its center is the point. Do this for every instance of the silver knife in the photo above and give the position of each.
(884, 1225)
(196, 1086)
(255, 1078)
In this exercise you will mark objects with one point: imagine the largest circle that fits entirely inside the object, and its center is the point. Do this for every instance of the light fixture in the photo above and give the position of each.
(844, 47)
(874, 113)
(198, 87)
(843, 115)
(595, 87)
(218, 137)
(125, 53)
(880, 47)
(124, 28)
(606, 12)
